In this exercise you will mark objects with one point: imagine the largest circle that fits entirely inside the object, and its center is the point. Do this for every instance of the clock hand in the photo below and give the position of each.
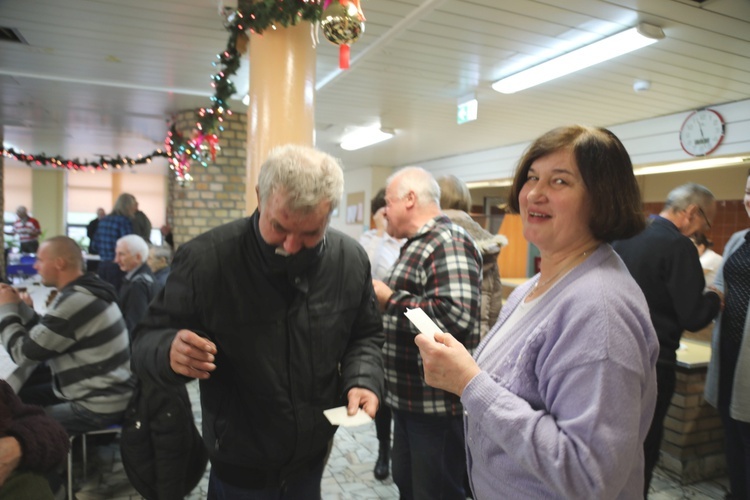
(701, 130)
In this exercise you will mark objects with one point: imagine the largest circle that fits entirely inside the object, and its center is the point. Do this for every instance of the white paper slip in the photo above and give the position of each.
(423, 322)
(338, 416)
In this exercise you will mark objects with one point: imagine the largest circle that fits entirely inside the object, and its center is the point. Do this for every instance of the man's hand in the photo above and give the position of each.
(8, 295)
(26, 299)
(192, 355)
(10, 457)
(380, 222)
(382, 292)
(447, 363)
(360, 397)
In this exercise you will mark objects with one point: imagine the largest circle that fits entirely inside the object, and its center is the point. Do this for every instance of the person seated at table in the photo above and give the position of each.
(82, 337)
(31, 444)
(137, 289)
(159, 258)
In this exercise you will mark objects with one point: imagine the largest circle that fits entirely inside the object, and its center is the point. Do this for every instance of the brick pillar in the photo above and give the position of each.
(693, 444)
(216, 195)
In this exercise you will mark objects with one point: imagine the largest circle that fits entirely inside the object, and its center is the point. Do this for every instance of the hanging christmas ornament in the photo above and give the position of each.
(342, 23)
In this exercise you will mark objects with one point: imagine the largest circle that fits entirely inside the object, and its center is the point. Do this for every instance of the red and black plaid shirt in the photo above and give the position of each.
(439, 270)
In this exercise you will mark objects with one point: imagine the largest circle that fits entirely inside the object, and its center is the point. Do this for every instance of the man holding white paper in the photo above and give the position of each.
(276, 316)
(439, 271)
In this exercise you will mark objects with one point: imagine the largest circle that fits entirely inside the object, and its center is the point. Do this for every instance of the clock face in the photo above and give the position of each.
(702, 132)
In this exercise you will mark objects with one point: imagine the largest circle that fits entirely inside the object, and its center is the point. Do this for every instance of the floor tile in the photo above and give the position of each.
(348, 474)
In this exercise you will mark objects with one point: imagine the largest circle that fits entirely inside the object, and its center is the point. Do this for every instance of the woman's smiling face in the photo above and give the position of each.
(555, 205)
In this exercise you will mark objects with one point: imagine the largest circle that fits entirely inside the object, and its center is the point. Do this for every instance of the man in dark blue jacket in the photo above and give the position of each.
(665, 264)
(277, 317)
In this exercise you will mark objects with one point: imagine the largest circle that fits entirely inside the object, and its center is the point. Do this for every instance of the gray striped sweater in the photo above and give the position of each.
(84, 340)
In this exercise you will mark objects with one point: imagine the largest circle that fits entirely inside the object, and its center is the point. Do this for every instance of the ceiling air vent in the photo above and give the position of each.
(11, 35)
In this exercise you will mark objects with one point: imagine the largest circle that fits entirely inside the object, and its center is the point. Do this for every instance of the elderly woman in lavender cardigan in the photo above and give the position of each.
(560, 394)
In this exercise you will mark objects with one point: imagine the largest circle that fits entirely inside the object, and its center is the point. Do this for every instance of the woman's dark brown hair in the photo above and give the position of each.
(607, 172)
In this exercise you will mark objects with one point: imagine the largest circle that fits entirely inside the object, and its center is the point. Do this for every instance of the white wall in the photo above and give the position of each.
(354, 181)
(655, 140)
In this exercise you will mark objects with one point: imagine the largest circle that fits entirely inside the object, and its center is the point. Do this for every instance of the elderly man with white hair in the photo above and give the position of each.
(137, 289)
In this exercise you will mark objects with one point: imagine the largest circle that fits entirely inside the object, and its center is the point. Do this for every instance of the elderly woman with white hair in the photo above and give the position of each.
(137, 289)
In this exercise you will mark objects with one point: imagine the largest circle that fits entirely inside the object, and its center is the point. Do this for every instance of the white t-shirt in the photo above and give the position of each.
(383, 252)
(710, 261)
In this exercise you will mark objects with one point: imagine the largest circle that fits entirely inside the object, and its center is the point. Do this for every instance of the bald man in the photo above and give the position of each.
(82, 337)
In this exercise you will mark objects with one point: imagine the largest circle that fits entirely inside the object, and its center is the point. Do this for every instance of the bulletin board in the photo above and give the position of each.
(355, 207)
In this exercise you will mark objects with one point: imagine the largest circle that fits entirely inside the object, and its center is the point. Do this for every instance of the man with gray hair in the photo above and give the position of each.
(275, 314)
(137, 289)
(665, 264)
(159, 257)
(440, 271)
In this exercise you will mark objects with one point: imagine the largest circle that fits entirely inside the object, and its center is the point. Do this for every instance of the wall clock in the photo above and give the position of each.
(702, 132)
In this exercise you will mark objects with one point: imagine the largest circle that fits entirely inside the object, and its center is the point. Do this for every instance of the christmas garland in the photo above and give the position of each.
(104, 162)
(255, 16)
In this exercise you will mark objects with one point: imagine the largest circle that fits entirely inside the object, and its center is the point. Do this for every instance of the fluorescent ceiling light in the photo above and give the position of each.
(489, 184)
(603, 50)
(364, 137)
(691, 165)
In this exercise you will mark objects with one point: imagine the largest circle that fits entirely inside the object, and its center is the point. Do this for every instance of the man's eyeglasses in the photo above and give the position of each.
(708, 222)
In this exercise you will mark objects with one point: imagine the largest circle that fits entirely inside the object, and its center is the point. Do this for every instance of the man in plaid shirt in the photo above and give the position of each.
(439, 270)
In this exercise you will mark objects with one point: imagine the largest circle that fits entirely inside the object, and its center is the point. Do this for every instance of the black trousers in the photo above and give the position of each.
(30, 246)
(665, 385)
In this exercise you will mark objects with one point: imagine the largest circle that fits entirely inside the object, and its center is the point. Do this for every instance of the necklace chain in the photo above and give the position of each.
(572, 264)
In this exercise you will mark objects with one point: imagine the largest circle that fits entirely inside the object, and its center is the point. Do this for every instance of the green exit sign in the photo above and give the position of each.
(467, 111)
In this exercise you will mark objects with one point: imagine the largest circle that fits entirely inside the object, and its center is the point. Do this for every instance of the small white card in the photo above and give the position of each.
(338, 416)
(423, 322)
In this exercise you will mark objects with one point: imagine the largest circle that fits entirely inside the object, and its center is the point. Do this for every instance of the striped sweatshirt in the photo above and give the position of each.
(83, 339)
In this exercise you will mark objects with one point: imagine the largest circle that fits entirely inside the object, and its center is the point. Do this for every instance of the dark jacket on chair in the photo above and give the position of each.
(162, 452)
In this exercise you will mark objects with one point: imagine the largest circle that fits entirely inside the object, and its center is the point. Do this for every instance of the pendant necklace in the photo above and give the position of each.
(568, 267)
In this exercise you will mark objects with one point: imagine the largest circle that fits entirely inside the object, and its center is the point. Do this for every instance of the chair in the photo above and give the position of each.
(112, 429)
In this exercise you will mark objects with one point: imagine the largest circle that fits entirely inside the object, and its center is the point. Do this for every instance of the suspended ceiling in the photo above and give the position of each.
(103, 77)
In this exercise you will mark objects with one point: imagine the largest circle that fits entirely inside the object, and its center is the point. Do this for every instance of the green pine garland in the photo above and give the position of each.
(255, 17)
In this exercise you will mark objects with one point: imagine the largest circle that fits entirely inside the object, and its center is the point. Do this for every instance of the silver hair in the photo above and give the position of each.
(135, 245)
(305, 175)
(418, 180)
(688, 194)
(162, 252)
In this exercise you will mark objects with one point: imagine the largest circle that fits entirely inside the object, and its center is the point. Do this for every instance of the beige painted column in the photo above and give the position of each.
(282, 97)
(116, 185)
(48, 191)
